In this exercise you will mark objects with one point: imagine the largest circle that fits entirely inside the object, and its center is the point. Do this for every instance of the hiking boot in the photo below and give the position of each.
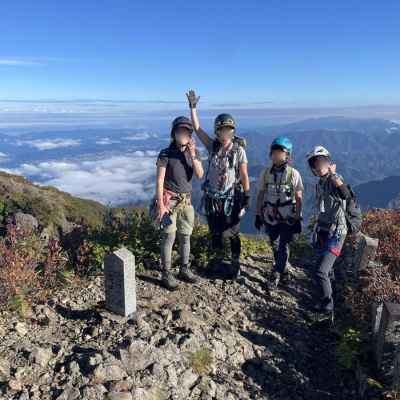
(214, 264)
(323, 316)
(186, 274)
(168, 280)
(275, 278)
(236, 276)
(285, 277)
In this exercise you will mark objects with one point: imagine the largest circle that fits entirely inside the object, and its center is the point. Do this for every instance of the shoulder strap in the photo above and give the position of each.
(215, 146)
(289, 176)
(214, 149)
(267, 173)
(240, 141)
(234, 152)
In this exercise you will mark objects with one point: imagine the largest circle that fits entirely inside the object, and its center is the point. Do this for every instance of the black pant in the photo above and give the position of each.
(280, 236)
(226, 227)
(324, 275)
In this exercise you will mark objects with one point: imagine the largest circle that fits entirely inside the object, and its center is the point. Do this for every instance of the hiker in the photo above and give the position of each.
(279, 205)
(226, 187)
(331, 227)
(176, 165)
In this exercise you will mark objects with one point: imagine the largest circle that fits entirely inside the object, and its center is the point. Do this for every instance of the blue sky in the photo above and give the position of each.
(273, 53)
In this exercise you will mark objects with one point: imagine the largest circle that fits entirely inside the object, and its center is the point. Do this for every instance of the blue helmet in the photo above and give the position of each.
(282, 142)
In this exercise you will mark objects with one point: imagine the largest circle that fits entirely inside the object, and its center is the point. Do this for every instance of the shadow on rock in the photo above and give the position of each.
(75, 315)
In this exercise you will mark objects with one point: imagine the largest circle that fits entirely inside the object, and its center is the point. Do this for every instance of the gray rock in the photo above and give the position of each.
(188, 379)
(4, 370)
(119, 396)
(24, 396)
(73, 368)
(153, 393)
(106, 373)
(42, 356)
(95, 392)
(26, 222)
(172, 377)
(15, 384)
(69, 393)
(21, 328)
(139, 356)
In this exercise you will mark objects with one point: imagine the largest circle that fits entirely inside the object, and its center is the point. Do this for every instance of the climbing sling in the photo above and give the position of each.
(222, 202)
(282, 191)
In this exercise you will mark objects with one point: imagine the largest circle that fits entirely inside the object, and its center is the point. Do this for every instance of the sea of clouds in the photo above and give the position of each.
(116, 169)
(114, 180)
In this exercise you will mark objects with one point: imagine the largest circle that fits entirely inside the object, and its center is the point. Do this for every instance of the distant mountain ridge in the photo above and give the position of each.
(380, 194)
(364, 150)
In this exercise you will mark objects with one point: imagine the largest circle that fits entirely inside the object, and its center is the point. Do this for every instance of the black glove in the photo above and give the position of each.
(246, 201)
(259, 222)
(193, 99)
(296, 224)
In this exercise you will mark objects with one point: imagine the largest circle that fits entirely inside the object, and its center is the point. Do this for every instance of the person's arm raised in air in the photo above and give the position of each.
(193, 100)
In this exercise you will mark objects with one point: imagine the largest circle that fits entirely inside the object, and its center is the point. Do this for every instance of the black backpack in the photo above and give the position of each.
(353, 213)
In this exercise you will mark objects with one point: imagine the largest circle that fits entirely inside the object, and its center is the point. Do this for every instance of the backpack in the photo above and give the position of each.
(237, 143)
(353, 213)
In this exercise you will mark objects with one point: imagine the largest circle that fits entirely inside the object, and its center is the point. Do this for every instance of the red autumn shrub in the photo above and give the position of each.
(18, 265)
(27, 264)
(384, 224)
(376, 285)
(381, 283)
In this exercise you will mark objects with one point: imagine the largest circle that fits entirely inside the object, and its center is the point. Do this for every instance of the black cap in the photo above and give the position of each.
(181, 122)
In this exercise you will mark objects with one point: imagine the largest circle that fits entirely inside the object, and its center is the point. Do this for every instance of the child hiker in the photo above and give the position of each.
(279, 205)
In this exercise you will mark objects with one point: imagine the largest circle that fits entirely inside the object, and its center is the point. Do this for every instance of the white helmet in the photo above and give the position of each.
(318, 151)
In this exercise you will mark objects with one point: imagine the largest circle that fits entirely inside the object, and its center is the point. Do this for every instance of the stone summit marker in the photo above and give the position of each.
(120, 282)
(365, 253)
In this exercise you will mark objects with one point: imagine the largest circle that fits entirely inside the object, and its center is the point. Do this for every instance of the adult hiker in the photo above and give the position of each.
(227, 186)
(331, 226)
(279, 205)
(176, 165)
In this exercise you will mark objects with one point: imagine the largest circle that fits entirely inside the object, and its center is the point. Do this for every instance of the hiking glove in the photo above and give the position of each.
(246, 201)
(192, 98)
(258, 223)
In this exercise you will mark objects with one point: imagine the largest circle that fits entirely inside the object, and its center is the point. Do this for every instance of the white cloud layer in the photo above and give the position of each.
(114, 180)
(49, 144)
(139, 136)
(18, 62)
(106, 141)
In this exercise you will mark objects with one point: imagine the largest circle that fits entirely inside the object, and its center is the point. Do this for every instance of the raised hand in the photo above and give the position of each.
(332, 169)
(192, 98)
(192, 147)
